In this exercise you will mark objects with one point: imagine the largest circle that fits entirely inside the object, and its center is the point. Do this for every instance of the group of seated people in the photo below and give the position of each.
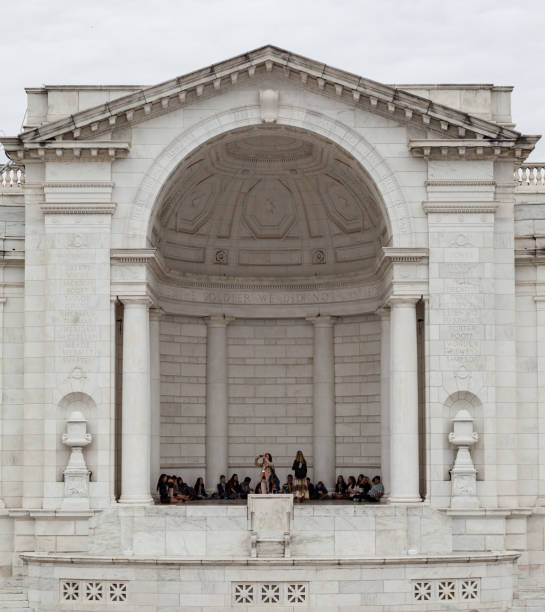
(359, 490)
(173, 489)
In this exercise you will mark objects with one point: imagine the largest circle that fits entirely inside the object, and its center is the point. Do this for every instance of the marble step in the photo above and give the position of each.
(13, 597)
(528, 601)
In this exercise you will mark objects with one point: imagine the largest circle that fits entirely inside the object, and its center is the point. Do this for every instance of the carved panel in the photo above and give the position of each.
(270, 594)
(466, 589)
(197, 205)
(341, 205)
(269, 209)
(103, 591)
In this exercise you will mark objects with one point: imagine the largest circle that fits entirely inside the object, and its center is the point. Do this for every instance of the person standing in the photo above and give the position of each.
(265, 462)
(300, 486)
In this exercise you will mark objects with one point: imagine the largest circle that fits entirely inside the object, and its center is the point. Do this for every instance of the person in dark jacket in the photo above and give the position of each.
(162, 487)
(321, 490)
(221, 488)
(200, 489)
(233, 488)
(300, 487)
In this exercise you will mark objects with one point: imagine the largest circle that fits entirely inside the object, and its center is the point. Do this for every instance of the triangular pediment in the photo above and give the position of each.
(398, 104)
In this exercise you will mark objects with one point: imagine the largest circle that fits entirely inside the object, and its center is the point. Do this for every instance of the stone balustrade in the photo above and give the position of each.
(531, 174)
(12, 176)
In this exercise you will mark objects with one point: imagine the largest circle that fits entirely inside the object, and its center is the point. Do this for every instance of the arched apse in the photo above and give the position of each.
(270, 201)
(137, 232)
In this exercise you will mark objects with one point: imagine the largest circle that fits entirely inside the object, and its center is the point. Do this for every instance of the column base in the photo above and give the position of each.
(136, 501)
(405, 500)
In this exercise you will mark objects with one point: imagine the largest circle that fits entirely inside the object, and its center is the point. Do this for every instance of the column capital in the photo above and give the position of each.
(322, 320)
(403, 300)
(135, 300)
(218, 320)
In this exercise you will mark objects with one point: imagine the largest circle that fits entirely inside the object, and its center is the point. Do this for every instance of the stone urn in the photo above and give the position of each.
(76, 474)
(463, 473)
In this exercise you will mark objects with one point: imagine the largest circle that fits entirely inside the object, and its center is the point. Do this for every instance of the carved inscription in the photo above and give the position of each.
(464, 297)
(287, 298)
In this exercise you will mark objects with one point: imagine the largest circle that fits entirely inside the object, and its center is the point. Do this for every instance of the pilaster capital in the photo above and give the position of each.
(322, 320)
(142, 301)
(383, 312)
(155, 313)
(218, 320)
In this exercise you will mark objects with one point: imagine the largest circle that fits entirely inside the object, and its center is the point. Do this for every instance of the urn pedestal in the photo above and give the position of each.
(463, 473)
(76, 474)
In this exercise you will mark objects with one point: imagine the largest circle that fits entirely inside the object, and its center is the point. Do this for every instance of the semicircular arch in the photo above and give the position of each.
(139, 223)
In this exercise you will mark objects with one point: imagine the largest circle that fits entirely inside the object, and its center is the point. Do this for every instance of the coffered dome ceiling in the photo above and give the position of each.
(269, 201)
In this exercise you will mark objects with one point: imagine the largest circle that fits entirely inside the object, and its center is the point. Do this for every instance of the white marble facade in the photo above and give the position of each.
(271, 254)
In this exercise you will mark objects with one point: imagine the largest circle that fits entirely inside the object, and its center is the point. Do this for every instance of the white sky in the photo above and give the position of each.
(393, 41)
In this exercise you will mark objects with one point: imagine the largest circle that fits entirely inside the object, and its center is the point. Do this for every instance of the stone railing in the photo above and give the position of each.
(531, 174)
(12, 176)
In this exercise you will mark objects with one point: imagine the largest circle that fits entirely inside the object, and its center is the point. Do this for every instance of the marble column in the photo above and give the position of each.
(323, 421)
(217, 400)
(404, 464)
(136, 404)
(113, 424)
(155, 391)
(384, 314)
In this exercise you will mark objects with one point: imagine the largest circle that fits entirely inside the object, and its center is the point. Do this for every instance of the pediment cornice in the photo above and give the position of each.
(149, 102)
(64, 150)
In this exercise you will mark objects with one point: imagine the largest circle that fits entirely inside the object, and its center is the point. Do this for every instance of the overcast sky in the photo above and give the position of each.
(393, 41)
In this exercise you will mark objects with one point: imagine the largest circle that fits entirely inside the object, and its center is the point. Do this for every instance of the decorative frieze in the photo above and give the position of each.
(87, 208)
(470, 207)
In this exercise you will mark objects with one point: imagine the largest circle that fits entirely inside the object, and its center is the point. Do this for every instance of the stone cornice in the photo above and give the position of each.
(473, 206)
(148, 102)
(84, 208)
(64, 150)
(473, 148)
(283, 562)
